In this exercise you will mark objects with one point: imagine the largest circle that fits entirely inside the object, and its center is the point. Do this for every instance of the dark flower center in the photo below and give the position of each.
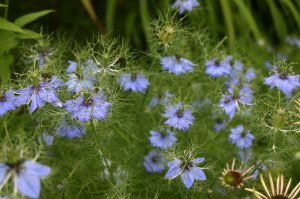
(46, 77)
(283, 76)
(279, 197)
(2, 98)
(186, 165)
(217, 63)
(17, 166)
(133, 77)
(219, 121)
(233, 178)
(177, 58)
(155, 159)
(226, 100)
(88, 102)
(179, 113)
(36, 87)
(79, 76)
(244, 133)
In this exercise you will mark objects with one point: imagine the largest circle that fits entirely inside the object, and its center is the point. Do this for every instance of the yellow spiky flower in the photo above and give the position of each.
(278, 192)
(234, 178)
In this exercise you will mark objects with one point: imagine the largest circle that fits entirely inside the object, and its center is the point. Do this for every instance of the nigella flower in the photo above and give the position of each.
(47, 138)
(161, 99)
(229, 102)
(241, 138)
(176, 64)
(185, 5)
(7, 102)
(37, 96)
(245, 154)
(27, 178)
(154, 162)
(178, 117)
(259, 168)
(162, 140)
(188, 170)
(86, 108)
(286, 83)
(69, 129)
(219, 125)
(216, 68)
(135, 82)
(53, 81)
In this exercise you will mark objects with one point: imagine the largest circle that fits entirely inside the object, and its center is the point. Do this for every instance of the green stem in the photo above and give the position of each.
(6, 9)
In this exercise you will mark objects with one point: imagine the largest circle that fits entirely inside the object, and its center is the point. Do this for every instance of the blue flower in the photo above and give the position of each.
(70, 129)
(28, 179)
(188, 170)
(245, 154)
(7, 102)
(3, 172)
(250, 74)
(161, 99)
(47, 138)
(259, 168)
(176, 64)
(164, 141)
(219, 125)
(86, 108)
(286, 83)
(53, 81)
(154, 162)
(178, 117)
(135, 82)
(38, 95)
(185, 5)
(216, 68)
(241, 138)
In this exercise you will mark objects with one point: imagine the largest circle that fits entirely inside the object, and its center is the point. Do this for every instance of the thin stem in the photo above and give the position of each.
(6, 9)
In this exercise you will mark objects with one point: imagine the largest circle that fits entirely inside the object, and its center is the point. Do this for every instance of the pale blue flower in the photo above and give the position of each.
(219, 125)
(47, 138)
(216, 68)
(163, 140)
(286, 83)
(184, 5)
(7, 102)
(154, 162)
(240, 137)
(189, 171)
(178, 117)
(70, 129)
(176, 64)
(161, 99)
(135, 82)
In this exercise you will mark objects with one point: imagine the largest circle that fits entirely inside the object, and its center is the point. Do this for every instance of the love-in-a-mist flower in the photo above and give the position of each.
(188, 170)
(240, 137)
(178, 117)
(184, 5)
(284, 82)
(86, 108)
(47, 138)
(219, 125)
(230, 102)
(70, 129)
(27, 176)
(218, 68)
(161, 139)
(176, 64)
(154, 162)
(37, 95)
(53, 81)
(163, 99)
(135, 82)
(7, 101)
(259, 167)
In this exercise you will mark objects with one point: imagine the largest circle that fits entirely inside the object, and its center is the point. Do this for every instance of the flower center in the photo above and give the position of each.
(178, 58)
(133, 77)
(283, 76)
(88, 102)
(2, 98)
(226, 100)
(233, 178)
(186, 165)
(217, 63)
(155, 159)
(179, 113)
(46, 77)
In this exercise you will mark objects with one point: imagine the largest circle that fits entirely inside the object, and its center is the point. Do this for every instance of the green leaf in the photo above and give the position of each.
(3, 5)
(6, 25)
(25, 19)
(7, 40)
(6, 61)
(29, 34)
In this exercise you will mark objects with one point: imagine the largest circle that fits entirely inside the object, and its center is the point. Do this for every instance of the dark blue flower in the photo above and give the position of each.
(135, 82)
(162, 140)
(241, 138)
(216, 68)
(286, 83)
(69, 129)
(189, 171)
(7, 102)
(176, 64)
(185, 5)
(154, 162)
(178, 117)
(37, 96)
(86, 108)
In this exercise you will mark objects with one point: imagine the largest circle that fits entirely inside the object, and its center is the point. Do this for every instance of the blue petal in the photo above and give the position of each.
(173, 173)
(29, 185)
(37, 169)
(198, 160)
(197, 173)
(3, 171)
(187, 179)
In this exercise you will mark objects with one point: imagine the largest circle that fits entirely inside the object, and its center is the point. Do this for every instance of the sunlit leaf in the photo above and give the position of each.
(25, 19)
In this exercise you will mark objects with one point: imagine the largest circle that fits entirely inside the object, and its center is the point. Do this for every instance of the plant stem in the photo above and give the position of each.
(6, 9)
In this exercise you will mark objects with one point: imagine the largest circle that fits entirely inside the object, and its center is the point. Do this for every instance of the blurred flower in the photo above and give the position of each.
(243, 139)
(70, 130)
(259, 168)
(135, 82)
(86, 108)
(27, 179)
(154, 162)
(185, 5)
(176, 64)
(47, 138)
(285, 83)
(276, 191)
(7, 102)
(53, 81)
(216, 68)
(38, 95)
(189, 171)
(245, 154)
(178, 117)
(162, 140)
(161, 99)
(233, 178)
(219, 125)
